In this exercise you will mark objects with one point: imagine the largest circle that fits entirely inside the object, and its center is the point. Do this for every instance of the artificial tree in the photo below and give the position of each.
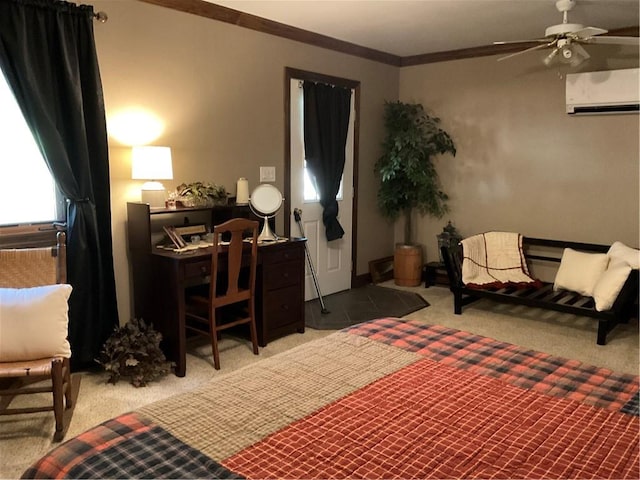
(408, 177)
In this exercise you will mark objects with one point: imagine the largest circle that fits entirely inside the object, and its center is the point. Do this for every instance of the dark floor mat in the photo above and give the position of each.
(359, 305)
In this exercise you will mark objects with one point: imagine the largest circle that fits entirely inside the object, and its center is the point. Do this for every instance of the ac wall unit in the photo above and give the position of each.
(612, 91)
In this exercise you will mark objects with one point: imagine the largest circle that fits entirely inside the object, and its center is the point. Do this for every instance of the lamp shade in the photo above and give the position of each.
(151, 163)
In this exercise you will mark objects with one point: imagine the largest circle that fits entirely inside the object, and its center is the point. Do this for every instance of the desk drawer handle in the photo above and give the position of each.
(285, 306)
(203, 270)
(285, 275)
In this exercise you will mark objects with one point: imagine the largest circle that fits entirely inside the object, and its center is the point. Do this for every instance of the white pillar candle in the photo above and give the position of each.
(242, 192)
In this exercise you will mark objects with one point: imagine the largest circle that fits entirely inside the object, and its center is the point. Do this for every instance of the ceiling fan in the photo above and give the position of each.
(566, 38)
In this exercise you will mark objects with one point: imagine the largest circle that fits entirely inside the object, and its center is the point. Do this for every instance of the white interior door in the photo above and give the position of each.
(332, 260)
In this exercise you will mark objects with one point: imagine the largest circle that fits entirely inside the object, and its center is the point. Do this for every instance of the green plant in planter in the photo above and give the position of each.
(202, 194)
(133, 350)
(408, 177)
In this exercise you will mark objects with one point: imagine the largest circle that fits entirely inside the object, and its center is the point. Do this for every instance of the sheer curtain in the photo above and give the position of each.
(47, 52)
(326, 124)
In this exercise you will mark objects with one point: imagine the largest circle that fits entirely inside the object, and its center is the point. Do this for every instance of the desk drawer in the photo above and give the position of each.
(197, 269)
(284, 308)
(279, 255)
(281, 275)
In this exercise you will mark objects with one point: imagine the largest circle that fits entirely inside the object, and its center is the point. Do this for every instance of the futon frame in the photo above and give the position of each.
(545, 297)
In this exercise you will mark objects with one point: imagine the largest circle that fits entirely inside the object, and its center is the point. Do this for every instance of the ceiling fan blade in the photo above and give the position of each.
(537, 47)
(588, 32)
(508, 42)
(608, 40)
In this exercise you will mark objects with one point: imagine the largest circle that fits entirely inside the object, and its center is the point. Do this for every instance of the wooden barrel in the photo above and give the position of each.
(407, 265)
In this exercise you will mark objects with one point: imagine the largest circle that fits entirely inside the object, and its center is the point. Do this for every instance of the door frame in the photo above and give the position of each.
(294, 73)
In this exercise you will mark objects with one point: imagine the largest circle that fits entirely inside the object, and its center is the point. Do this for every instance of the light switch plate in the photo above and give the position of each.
(267, 174)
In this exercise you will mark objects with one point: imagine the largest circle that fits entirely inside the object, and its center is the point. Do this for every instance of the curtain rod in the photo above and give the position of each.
(301, 84)
(318, 82)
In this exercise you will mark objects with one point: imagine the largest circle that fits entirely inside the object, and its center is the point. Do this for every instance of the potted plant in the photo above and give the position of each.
(408, 177)
(201, 194)
(133, 350)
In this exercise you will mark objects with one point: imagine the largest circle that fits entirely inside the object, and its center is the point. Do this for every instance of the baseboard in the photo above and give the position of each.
(361, 280)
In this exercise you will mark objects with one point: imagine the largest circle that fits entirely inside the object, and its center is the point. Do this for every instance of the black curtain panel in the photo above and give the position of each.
(326, 123)
(47, 53)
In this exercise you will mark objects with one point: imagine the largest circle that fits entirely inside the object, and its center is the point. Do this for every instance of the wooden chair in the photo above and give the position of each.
(32, 267)
(230, 286)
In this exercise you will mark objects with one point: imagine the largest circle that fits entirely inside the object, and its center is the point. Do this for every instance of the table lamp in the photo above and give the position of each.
(152, 163)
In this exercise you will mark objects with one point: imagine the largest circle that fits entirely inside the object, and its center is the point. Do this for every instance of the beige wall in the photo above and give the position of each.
(523, 164)
(219, 91)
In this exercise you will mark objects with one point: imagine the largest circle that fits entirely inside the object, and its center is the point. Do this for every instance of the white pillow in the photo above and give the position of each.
(579, 271)
(630, 255)
(610, 283)
(34, 323)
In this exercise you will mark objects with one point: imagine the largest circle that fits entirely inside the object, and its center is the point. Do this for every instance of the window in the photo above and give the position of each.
(310, 193)
(28, 193)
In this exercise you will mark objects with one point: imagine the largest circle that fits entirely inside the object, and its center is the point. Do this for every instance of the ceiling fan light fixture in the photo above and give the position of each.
(573, 54)
(575, 62)
(548, 60)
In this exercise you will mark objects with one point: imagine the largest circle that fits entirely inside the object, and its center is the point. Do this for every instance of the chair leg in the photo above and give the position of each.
(66, 367)
(214, 339)
(58, 396)
(252, 327)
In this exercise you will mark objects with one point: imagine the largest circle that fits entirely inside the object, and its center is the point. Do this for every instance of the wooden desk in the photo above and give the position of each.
(160, 278)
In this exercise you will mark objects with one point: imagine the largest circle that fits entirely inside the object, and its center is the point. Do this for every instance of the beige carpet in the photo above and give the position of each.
(24, 439)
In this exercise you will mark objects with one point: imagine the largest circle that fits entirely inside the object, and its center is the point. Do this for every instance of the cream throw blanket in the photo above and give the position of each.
(494, 259)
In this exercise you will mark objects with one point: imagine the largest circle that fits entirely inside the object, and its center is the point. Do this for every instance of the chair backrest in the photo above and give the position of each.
(33, 267)
(240, 253)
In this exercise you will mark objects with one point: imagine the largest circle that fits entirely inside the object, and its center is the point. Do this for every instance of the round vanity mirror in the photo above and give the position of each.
(265, 201)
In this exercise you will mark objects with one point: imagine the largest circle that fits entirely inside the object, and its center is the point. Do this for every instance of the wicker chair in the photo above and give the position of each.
(21, 269)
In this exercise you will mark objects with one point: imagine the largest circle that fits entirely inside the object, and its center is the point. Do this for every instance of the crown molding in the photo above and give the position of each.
(253, 22)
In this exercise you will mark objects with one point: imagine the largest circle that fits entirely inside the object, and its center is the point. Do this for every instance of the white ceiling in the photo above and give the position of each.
(413, 27)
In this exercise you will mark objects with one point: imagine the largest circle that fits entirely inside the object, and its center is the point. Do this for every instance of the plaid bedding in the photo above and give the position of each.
(127, 447)
(544, 373)
(433, 421)
(386, 398)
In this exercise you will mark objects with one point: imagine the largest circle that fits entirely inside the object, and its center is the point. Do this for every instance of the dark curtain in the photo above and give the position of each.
(47, 53)
(326, 123)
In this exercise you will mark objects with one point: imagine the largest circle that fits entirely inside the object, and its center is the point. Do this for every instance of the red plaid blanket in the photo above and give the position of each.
(544, 373)
(429, 420)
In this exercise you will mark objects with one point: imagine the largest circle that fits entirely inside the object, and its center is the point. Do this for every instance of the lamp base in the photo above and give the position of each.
(155, 198)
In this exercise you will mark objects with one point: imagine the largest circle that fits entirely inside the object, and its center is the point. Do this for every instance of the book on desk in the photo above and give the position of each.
(194, 241)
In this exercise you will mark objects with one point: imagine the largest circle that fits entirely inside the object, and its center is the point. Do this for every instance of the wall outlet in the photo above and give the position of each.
(267, 174)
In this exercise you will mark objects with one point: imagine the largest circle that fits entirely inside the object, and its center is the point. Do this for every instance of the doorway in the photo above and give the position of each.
(334, 261)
